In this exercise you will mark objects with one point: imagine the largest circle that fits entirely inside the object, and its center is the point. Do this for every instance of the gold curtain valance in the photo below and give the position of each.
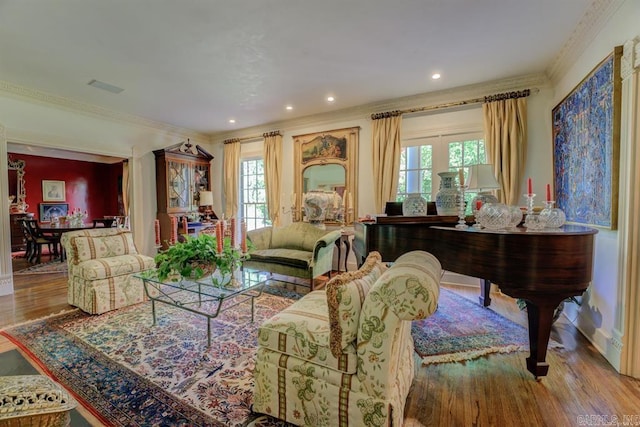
(378, 116)
(272, 133)
(482, 100)
(252, 137)
(507, 95)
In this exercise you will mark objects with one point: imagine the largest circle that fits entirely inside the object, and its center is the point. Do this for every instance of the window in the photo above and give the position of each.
(422, 158)
(415, 171)
(253, 194)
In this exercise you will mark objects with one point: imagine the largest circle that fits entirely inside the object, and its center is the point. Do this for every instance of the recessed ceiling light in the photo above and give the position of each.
(435, 76)
(232, 121)
(289, 107)
(330, 99)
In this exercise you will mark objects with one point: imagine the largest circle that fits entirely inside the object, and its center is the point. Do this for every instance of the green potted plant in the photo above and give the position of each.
(197, 257)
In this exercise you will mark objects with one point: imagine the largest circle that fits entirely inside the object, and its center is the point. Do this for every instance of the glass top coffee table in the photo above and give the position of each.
(204, 296)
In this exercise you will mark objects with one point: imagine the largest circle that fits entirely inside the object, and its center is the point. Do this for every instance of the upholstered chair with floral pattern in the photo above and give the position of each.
(102, 266)
(344, 356)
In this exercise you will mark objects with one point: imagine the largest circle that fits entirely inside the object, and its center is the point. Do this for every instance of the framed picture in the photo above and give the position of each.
(586, 147)
(53, 191)
(49, 210)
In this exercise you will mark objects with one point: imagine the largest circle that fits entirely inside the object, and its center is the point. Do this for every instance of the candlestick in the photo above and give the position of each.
(243, 230)
(219, 236)
(174, 230)
(156, 227)
(233, 232)
(529, 186)
(462, 223)
(531, 220)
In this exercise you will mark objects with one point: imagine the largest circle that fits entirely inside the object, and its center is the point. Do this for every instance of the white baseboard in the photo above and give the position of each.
(6, 285)
(609, 346)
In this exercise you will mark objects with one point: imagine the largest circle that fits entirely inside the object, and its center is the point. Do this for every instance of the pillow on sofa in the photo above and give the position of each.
(345, 296)
(88, 247)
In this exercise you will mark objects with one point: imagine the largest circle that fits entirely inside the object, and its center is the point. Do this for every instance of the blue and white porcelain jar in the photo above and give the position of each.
(414, 205)
(447, 196)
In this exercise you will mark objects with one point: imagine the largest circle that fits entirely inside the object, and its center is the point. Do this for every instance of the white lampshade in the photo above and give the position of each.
(206, 198)
(481, 178)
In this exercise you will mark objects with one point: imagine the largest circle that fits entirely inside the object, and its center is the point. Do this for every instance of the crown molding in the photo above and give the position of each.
(47, 99)
(594, 19)
(363, 112)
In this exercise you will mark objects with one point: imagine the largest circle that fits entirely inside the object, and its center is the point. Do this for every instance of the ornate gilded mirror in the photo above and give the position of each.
(325, 172)
(17, 193)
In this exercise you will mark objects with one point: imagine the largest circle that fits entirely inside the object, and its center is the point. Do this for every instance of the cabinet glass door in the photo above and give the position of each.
(178, 191)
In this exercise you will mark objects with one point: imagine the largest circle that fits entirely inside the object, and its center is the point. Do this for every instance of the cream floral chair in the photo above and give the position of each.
(344, 357)
(102, 266)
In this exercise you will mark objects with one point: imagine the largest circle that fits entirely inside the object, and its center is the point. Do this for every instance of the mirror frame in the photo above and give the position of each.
(348, 160)
(21, 195)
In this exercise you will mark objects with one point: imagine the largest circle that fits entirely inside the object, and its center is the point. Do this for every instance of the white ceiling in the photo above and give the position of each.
(198, 63)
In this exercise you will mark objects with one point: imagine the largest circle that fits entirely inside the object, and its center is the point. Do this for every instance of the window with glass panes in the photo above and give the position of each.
(253, 194)
(422, 158)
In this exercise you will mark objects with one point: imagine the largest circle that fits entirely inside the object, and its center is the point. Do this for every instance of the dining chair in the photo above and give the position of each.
(104, 222)
(28, 240)
(40, 239)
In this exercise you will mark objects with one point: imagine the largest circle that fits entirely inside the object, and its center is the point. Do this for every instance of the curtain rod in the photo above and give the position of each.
(251, 138)
(484, 99)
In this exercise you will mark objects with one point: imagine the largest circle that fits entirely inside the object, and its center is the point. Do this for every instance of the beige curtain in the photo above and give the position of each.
(505, 129)
(386, 156)
(273, 173)
(231, 166)
(125, 187)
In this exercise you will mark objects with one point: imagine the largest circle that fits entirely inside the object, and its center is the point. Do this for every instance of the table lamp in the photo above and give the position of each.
(206, 202)
(481, 179)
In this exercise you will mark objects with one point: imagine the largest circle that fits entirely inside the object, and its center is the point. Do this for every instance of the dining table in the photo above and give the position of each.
(57, 229)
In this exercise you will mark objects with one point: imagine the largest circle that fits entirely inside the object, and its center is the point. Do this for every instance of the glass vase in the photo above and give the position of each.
(554, 217)
(494, 216)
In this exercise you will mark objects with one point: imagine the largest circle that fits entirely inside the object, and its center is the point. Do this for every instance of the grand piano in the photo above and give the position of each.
(543, 268)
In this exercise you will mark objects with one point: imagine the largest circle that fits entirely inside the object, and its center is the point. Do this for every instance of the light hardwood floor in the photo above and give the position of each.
(497, 390)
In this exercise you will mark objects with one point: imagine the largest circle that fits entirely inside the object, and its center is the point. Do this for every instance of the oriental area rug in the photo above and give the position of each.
(461, 329)
(49, 267)
(130, 373)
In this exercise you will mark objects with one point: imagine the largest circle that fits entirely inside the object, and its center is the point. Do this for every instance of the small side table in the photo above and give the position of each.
(346, 239)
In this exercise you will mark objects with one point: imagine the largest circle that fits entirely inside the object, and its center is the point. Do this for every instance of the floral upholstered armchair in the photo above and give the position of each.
(344, 356)
(102, 266)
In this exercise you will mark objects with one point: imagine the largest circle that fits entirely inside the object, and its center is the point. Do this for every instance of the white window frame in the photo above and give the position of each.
(253, 221)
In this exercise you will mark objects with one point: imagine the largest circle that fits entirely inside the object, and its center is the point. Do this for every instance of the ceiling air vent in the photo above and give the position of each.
(105, 86)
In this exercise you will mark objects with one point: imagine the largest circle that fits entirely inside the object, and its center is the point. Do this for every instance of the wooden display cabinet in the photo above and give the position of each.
(182, 171)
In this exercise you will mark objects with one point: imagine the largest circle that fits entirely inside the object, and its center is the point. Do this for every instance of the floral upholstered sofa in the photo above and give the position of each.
(299, 250)
(344, 356)
(102, 263)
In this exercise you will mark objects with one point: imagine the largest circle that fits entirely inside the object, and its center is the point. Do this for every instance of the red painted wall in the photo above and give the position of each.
(90, 186)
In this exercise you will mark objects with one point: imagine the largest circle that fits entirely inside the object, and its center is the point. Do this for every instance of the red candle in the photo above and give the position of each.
(478, 204)
(233, 232)
(244, 236)
(529, 187)
(219, 236)
(174, 230)
(548, 192)
(157, 231)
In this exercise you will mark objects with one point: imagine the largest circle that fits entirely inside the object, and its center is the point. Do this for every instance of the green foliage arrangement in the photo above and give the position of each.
(196, 257)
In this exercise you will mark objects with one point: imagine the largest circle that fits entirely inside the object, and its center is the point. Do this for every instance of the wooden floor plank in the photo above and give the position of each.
(495, 390)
